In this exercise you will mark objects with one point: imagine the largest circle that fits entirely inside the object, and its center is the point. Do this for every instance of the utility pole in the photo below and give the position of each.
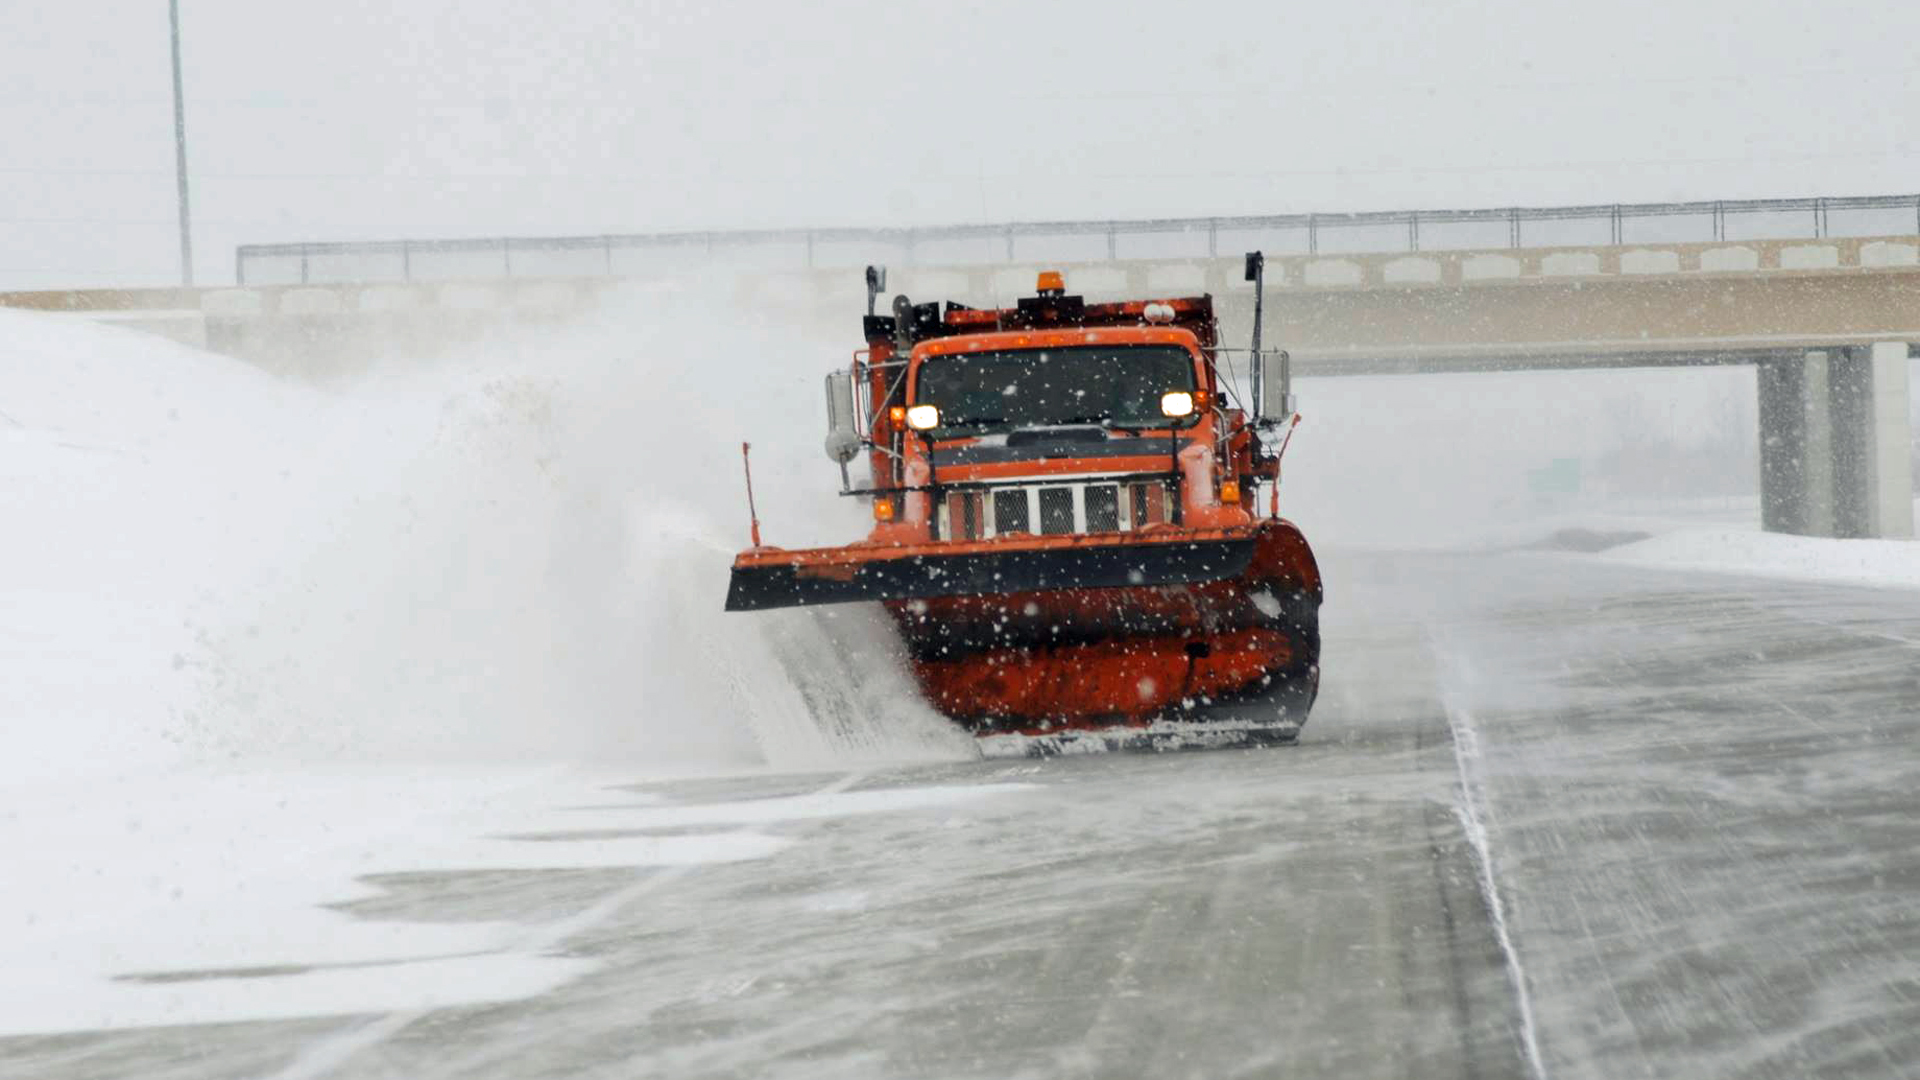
(180, 150)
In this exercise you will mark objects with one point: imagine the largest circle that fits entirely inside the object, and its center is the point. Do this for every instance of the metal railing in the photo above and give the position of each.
(647, 254)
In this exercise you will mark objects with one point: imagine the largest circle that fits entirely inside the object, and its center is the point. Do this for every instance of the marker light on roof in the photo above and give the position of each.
(1158, 313)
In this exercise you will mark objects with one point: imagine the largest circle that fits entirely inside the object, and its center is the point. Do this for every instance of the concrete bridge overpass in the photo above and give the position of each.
(1829, 321)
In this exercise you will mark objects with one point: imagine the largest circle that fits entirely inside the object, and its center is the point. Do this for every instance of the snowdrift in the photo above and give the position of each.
(517, 554)
(1879, 563)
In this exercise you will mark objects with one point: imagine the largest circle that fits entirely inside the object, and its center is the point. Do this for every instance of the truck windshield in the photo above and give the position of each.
(1116, 385)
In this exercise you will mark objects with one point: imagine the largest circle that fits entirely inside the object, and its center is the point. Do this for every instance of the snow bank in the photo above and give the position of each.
(1863, 562)
(519, 555)
(130, 470)
(260, 641)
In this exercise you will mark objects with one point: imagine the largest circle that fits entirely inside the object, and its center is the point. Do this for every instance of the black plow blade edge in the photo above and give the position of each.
(1110, 566)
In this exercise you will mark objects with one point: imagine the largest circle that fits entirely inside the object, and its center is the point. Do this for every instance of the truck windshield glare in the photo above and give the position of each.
(987, 392)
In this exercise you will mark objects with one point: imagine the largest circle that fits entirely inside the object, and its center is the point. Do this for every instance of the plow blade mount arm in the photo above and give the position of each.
(769, 578)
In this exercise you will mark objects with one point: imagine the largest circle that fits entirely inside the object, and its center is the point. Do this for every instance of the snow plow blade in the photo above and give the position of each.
(766, 578)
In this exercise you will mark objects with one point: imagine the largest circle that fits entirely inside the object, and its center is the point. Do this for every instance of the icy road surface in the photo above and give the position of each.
(1697, 799)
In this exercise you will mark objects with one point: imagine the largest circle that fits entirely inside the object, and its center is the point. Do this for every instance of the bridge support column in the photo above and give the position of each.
(1891, 453)
(1834, 435)
(1796, 446)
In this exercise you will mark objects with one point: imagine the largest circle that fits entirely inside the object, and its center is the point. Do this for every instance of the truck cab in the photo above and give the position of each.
(1052, 418)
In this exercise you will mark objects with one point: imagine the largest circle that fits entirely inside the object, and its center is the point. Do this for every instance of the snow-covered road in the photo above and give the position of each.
(1694, 797)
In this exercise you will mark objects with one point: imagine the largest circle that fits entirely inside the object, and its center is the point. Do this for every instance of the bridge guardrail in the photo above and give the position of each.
(645, 254)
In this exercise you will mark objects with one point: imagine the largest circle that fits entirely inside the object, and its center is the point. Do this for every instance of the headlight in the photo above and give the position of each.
(1176, 403)
(923, 418)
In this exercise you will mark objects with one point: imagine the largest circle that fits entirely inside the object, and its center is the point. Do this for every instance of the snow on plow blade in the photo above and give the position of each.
(1158, 737)
(771, 578)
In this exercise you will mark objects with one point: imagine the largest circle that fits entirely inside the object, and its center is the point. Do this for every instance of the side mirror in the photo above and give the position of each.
(1256, 262)
(843, 442)
(1276, 387)
(902, 324)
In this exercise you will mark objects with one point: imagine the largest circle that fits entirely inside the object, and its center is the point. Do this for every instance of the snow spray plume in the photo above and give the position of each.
(525, 552)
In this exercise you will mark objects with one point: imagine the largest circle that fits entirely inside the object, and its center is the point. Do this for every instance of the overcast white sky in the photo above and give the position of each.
(431, 118)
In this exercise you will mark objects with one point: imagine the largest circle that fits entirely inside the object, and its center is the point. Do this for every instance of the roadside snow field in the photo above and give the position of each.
(1890, 563)
(260, 641)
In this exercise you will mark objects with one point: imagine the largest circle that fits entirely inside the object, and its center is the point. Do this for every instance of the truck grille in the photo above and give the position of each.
(1010, 511)
(1103, 507)
(1058, 509)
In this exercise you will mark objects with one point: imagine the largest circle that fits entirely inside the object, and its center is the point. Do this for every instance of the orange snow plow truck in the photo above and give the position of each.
(1067, 524)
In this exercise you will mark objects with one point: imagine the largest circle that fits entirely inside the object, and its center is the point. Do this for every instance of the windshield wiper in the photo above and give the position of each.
(1111, 421)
